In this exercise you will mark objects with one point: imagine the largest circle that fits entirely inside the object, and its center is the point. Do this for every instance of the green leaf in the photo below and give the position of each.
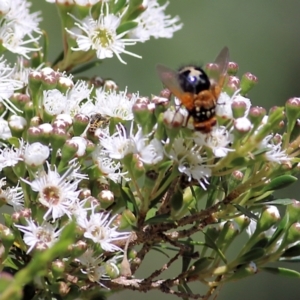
(15, 293)
(8, 220)
(129, 197)
(261, 243)
(285, 201)
(246, 212)
(14, 141)
(126, 26)
(87, 67)
(282, 271)
(290, 259)
(282, 226)
(201, 264)
(159, 219)
(280, 182)
(211, 244)
(10, 263)
(291, 252)
(160, 251)
(184, 288)
(252, 255)
(118, 6)
(187, 256)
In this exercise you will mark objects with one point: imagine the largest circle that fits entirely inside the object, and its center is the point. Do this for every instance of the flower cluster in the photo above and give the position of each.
(108, 31)
(18, 27)
(89, 171)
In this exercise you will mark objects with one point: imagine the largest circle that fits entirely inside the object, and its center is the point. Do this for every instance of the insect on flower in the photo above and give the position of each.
(196, 91)
(97, 121)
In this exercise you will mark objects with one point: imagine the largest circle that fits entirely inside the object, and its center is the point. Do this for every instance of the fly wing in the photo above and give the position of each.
(221, 63)
(169, 78)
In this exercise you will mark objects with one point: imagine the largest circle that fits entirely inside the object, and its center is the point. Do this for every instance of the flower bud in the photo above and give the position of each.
(34, 82)
(19, 100)
(29, 110)
(80, 123)
(292, 108)
(293, 211)
(17, 124)
(248, 82)
(232, 85)
(35, 121)
(33, 134)
(232, 68)
(238, 109)
(269, 217)
(241, 127)
(58, 138)
(212, 70)
(256, 115)
(138, 168)
(106, 197)
(49, 78)
(36, 154)
(64, 84)
(243, 271)
(58, 268)
(112, 270)
(127, 219)
(293, 234)
(46, 132)
(242, 221)
(81, 144)
(143, 115)
(229, 231)
(68, 151)
(6, 236)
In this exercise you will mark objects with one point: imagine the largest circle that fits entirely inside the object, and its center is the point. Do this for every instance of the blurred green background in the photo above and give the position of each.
(263, 37)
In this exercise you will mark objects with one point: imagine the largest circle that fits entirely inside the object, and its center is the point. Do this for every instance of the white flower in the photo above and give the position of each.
(154, 22)
(5, 132)
(56, 192)
(101, 35)
(87, 2)
(76, 95)
(8, 85)
(45, 234)
(114, 104)
(12, 195)
(23, 21)
(10, 156)
(274, 152)
(107, 166)
(224, 103)
(17, 122)
(118, 145)
(14, 42)
(81, 144)
(149, 153)
(189, 161)
(243, 124)
(121, 144)
(61, 1)
(193, 166)
(98, 228)
(18, 25)
(36, 154)
(218, 140)
(54, 101)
